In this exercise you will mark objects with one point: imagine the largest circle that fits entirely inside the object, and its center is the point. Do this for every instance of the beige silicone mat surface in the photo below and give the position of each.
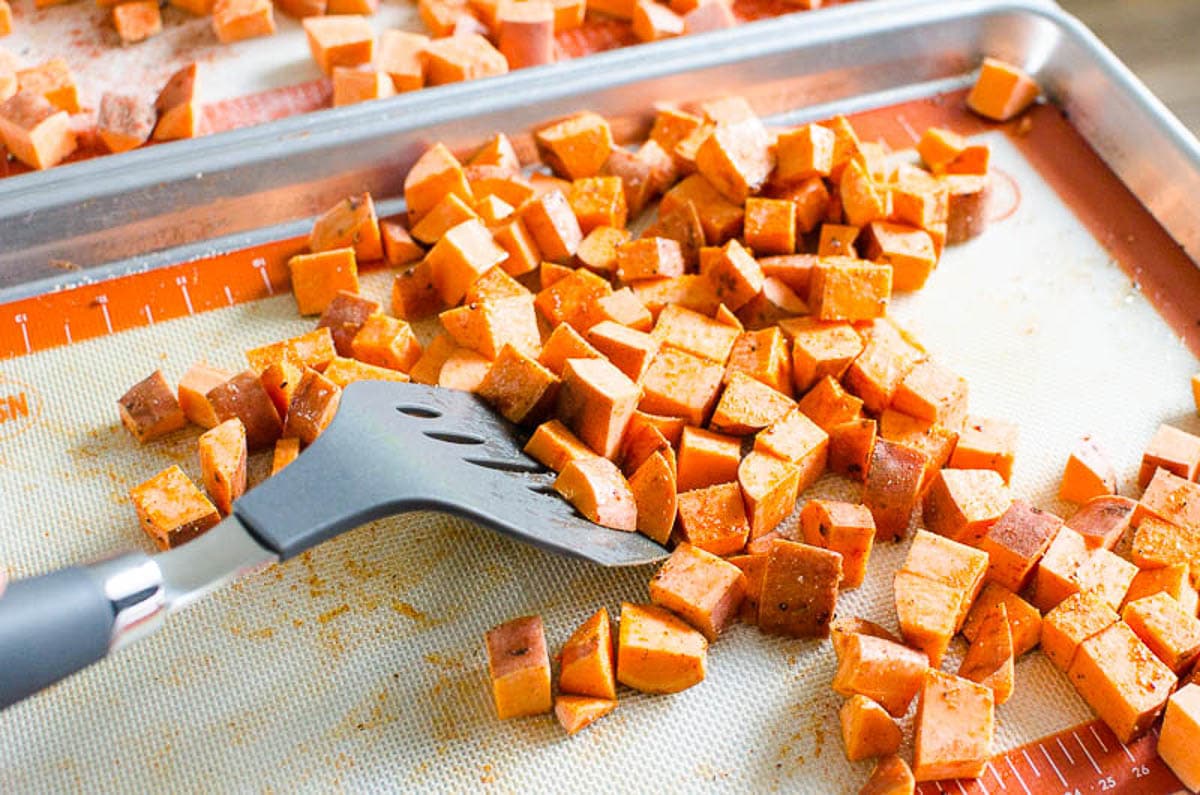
(360, 666)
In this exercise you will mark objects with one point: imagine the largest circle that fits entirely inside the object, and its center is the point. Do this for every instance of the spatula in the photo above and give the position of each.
(391, 448)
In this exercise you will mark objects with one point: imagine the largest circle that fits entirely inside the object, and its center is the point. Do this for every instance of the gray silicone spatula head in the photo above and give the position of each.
(397, 447)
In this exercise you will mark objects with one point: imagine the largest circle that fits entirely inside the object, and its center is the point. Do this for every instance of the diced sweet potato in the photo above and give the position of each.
(890, 776)
(234, 20)
(986, 444)
(1103, 520)
(586, 665)
(880, 669)
(150, 410)
(1069, 566)
(318, 278)
(769, 488)
(461, 256)
(655, 492)
(596, 401)
(700, 587)
(844, 288)
(1167, 628)
(630, 350)
(1024, 620)
(876, 374)
(1071, 622)
(1177, 738)
(223, 463)
(845, 528)
(989, 660)
(893, 487)
(526, 33)
(803, 153)
(244, 397)
(312, 407)
(1171, 449)
(343, 371)
(1016, 542)
(386, 342)
(822, 349)
(828, 405)
(1001, 91)
(799, 590)
(736, 276)
(414, 295)
(962, 504)
(462, 57)
(926, 611)
(842, 628)
(837, 241)
(171, 509)
(596, 487)
(624, 307)
(736, 158)
(770, 226)
(954, 728)
(929, 439)
(565, 343)
(351, 223)
(1089, 473)
(34, 130)
(867, 729)
(487, 326)
(720, 218)
(714, 519)
(1122, 680)
(54, 81)
(688, 330)
(436, 174)
(555, 446)
(519, 667)
(399, 55)
(340, 40)
(573, 299)
(679, 384)
(313, 349)
(576, 713)
(1174, 581)
(518, 387)
(344, 316)
(598, 201)
(649, 258)
(657, 652)
(707, 458)
(194, 387)
(125, 122)
(286, 451)
(747, 406)
(1172, 499)
(909, 250)
(799, 440)
(851, 446)
(762, 355)
(931, 392)
(577, 146)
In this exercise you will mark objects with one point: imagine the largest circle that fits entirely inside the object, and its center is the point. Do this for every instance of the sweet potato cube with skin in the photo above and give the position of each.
(312, 408)
(893, 487)
(863, 201)
(125, 122)
(942, 560)
(1024, 620)
(1172, 499)
(630, 350)
(955, 724)
(577, 146)
(1122, 680)
(714, 519)
(748, 406)
(679, 384)
(926, 610)
(34, 131)
(770, 226)
(598, 201)
(223, 463)
(400, 56)
(522, 390)
(930, 439)
(655, 492)
(910, 252)
(343, 372)
(795, 438)
(461, 57)
(244, 397)
(460, 257)
(235, 20)
(598, 490)
(707, 458)
(867, 729)
(890, 776)
(1167, 628)
(652, 21)
(519, 667)
(989, 659)
(171, 509)
(845, 528)
(1016, 542)
(828, 405)
(769, 488)
(386, 342)
(931, 392)
(318, 278)
(464, 370)
(880, 669)
(850, 290)
(799, 590)
(340, 40)
(1103, 520)
(553, 226)
(576, 713)
(851, 446)
(735, 275)
(837, 240)
(150, 409)
(313, 349)
(736, 158)
(657, 652)
(525, 33)
(586, 666)
(803, 153)
(436, 174)
(763, 355)
(197, 382)
(445, 215)
(649, 258)
(700, 587)
(562, 344)
(596, 402)
(344, 315)
(840, 629)
(962, 504)
(986, 444)
(823, 349)
(398, 246)
(598, 251)
(1107, 573)
(966, 207)
(690, 331)
(554, 445)
(487, 326)
(1177, 738)
(1001, 91)
(1173, 580)
(690, 291)
(1171, 449)
(286, 451)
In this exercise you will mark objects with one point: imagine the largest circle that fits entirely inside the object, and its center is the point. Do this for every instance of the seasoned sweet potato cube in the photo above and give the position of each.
(735, 275)
(1177, 739)
(762, 355)
(487, 326)
(700, 587)
(714, 519)
(842, 628)
(938, 147)
(596, 487)
(400, 55)
(1167, 628)
(461, 57)
(386, 342)
(909, 250)
(553, 226)
(657, 652)
(194, 387)
(828, 405)
(1171, 449)
(150, 410)
(931, 392)
(989, 659)
(223, 463)
(690, 331)
(649, 258)
(318, 278)
(1016, 542)
(414, 295)
(845, 528)
(851, 446)
(867, 729)
(464, 369)
(863, 201)
(926, 611)
(736, 158)
(1172, 499)
(436, 174)
(286, 451)
(822, 349)
(837, 241)
(577, 146)
(460, 257)
(893, 487)
(495, 284)
(880, 669)
(796, 438)
(962, 504)
(672, 125)
(720, 218)
(573, 299)
(747, 406)
(599, 249)
(235, 20)
(598, 201)
(429, 366)
(875, 376)
(565, 343)
(799, 590)
(769, 488)
(653, 21)
(1122, 680)
(555, 446)
(125, 122)
(643, 174)
(655, 492)
(344, 316)
(1103, 520)
(445, 215)
(1074, 620)
(576, 713)
(54, 81)
(340, 40)
(890, 776)
(171, 509)
(343, 371)
(519, 667)
(525, 33)
(625, 308)
(313, 405)
(630, 350)
(313, 349)
(35, 131)
(683, 225)
(1001, 91)
(707, 458)
(1174, 581)
(752, 567)
(774, 303)
(586, 666)
(244, 397)
(1098, 569)
(522, 390)
(803, 153)
(930, 439)
(986, 444)
(954, 728)
(770, 226)
(1024, 620)
(6, 18)
(918, 199)
(691, 291)
(960, 566)
(966, 207)
(679, 384)
(596, 402)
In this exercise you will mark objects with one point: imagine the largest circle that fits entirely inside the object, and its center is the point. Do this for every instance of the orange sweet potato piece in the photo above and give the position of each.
(1089, 473)
(1001, 91)
(655, 492)
(525, 33)
(596, 487)
(429, 367)
(822, 349)
(576, 713)
(931, 392)
(851, 446)
(150, 409)
(444, 216)
(343, 371)
(553, 226)
(577, 146)
(598, 201)
(649, 258)
(596, 402)
(770, 226)
(623, 307)
(989, 660)
(414, 295)
(286, 451)
(519, 667)
(586, 664)
(720, 218)
(555, 446)
(679, 384)
(1024, 620)
(962, 504)
(804, 153)
(930, 439)
(344, 316)
(893, 487)
(235, 20)
(690, 331)
(194, 387)
(713, 519)
(845, 528)
(796, 439)
(630, 350)
(125, 122)
(890, 776)
(769, 488)
(828, 405)
(736, 158)
(926, 612)
(700, 587)
(762, 355)
(707, 458)
(318, 278)
(313, 406)
(735, 275)
(400, 55)
(171, 509)
(837, 240)
(1171, 632)
(690, 291)
(339, 40)
(598, 251)
(522, 390)
(910, 252)
(920, 200)
(863, 200)
(436, 174)
(1122, 680)
(1173, 580)
(386, 342)
(747, 406)
(573, 299)
(799, 590)
(34, 131)
(6, 19)
(313, 349)
(867, 729)
(522, 252)
(487, 326)
(840, 630)
(986, 444)
(223, 463)
(462, 57)
(1177, 739)
(53, 80)
(653, 21)
(461, 256)
(850, 289)
(1171, 449)
(1172, 499)
(565, 343)
(954, 728)
(880, 669)
(657, 652)
(244, 397)
(1016, 542)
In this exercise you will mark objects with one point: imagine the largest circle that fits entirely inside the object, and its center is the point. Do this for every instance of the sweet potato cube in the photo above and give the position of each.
(649, 258)
(400, 56)
(887, 358)
(235, 20)
(1001, 91)
(643, 174)
(720, 218)
(851, 446)
(313, 406)
(926, 610)
(436, 174)
(1177, 738)
(764, 356)
(598, 490)
(1024, 620)
(931, 392)
(573, 299)
(125, 122)
(194, 387)
(752, 567)
(850, 289)
(150, 409)
(736, 158)
(577, 146)
(553, 226)
(986, 444)
(863, 201)
(586, 666)
(565, 343)
(1167, 628)
(1016, 542)
(223, 463)
(769, 487)
(340, 40)
(343, 371)
(774, 303)
(679, 384)
(576, 713)
(796, 439)
(845, 528)
(171, 509)
(630, 350)
(880, 669)
(519, 667)
(386, 342)
(596, 402)
(672, 125)
(1171, 449)
(1089, 473)
(1075, 619)
(287, 450)
(525, 33)
(803, 153)
(314, 349)
(837, 241)
(1103, 520)
(867, 729)
(707, 458)
(460, 257)
(823, 349)
(244, 397)
(735, 275)
(398, 246)
(687, 330)
(444, 216)
(1174, 581)
(522, 390)
(462, 57)
(495, 284)
(34, 131)
(657, 652)
(960, 566)
(54, 81)
(840, 629)
(700, 587)
(1122, 680)
(655, 492)
(799, 590)
(910, 252)
(714, 519)
(989, 659)
(966, 207)
(893, 487)
(464, 370)
(1172, 499)
(599, 249)
(317, 278)
(938, 147)
(344, 316)
(954, 728)
(598, 201)
(653, 21)
(428, 368)
(828, 405)
(920, 200)
(747, 406)
(555, 446)
(280, 379)
(521, 250)
(770, 226)
(890, 776)
(487, 326)
(624, 307)
(962, 504)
